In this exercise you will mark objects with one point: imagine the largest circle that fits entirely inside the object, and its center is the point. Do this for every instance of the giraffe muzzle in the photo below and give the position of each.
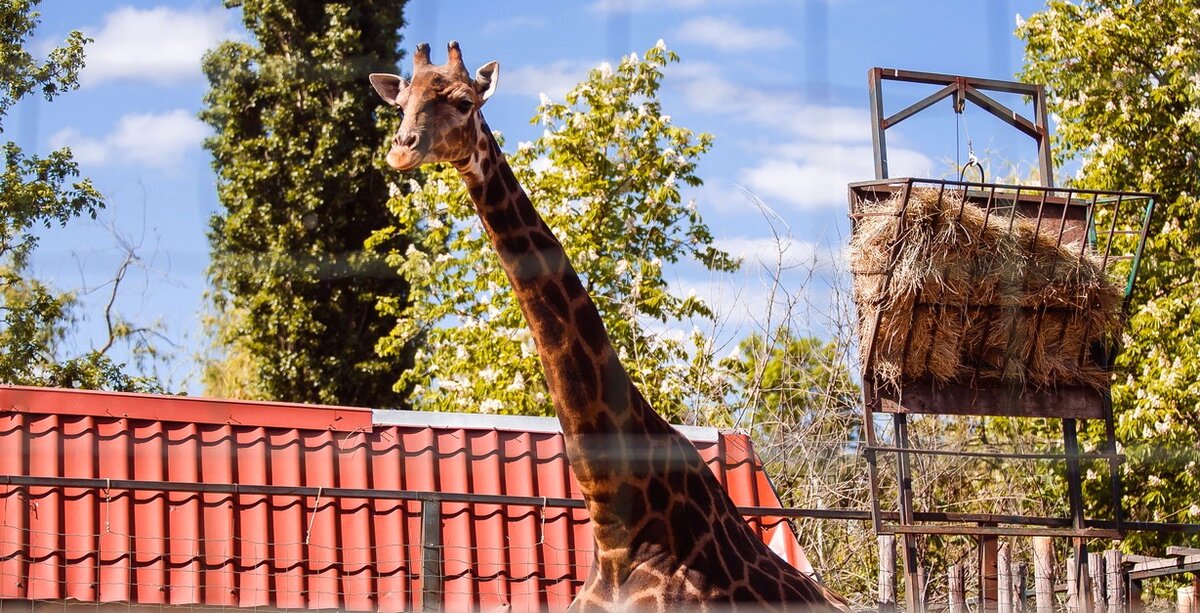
(407, 140)
(406, 152)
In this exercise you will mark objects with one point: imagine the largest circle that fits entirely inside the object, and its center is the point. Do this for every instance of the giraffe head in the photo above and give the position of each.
(440, 108)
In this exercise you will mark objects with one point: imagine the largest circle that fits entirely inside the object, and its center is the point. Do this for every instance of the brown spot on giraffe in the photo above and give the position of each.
(667, 536)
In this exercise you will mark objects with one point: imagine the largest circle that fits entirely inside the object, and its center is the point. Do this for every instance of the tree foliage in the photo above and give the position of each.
(1123, 79)
(41, 192)
(606, 175)
(298, 154)
(798, 400)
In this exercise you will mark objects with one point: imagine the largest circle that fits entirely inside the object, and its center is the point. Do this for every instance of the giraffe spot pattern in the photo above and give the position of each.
(515, 244)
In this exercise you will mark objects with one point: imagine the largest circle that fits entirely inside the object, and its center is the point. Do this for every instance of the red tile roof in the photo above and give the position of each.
(156, 500)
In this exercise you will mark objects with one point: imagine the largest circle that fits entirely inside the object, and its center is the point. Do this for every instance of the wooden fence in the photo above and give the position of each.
(1112, 581)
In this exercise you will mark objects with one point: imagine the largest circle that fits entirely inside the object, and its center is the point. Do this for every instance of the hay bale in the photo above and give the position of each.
(978, 294)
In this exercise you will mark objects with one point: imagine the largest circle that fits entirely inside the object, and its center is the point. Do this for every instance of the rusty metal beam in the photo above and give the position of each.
(1004, 113)
(920, 105)
(1002, 400)
(878, 138)
(934, 78)
(537, 501)
(1162, 568)
(1086, 533)
(993, 454)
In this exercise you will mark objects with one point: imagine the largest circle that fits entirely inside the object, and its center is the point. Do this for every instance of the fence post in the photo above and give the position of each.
(1043, 573)
(1020, 587)
(921, 590)
(1116, 582)
(988, 552)
(1185, 600)
(432, 593)
(1073, 587)
(1099, 577)
(1134, 597)
(957, 586)
(887, 573)
(1004, 580)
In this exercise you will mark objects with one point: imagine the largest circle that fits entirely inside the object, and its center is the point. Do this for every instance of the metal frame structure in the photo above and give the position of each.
(961, 89)
(1067, 207)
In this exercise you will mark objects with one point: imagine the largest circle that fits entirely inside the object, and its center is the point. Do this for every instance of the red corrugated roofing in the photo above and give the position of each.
(157, 543)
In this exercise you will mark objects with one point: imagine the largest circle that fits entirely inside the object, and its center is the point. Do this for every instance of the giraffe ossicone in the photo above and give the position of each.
(667, 535)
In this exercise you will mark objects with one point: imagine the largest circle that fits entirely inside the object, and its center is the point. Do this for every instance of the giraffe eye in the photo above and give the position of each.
(464, 105)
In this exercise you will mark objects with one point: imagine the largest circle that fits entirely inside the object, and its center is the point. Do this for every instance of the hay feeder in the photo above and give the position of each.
(984, 299)
(980, 298)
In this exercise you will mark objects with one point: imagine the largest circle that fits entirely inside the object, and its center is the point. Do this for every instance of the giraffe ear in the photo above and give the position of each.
(388, 86)
(486, 79)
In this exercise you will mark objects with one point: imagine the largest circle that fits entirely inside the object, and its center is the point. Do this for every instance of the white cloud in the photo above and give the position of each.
(813, 150)
(554, 80)
(729, 35)
(750, 302)
(160, 45)
(783, 110)
(83, 149)
(156, 140)
(813, 175)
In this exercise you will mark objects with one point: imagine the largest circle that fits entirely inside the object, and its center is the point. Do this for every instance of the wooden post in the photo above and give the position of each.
(921, 587)
(1043, 573)
(1081, 577)
(988, 552)
(957, 585)
(1072, 587)
(887, 573)
(1020, 587)
(1116, 581)
(1004, 582)
(1099, 577)
(1134, 597)
(1185, 600)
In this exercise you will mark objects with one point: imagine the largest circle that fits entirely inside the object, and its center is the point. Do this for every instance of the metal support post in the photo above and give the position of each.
(432, 592)
(913, 588)
(1081, 576)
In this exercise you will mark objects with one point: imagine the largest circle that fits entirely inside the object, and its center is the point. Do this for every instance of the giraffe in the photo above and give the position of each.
(667, 534)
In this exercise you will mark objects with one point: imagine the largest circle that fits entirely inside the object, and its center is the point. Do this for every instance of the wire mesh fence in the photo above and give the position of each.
(205, 545)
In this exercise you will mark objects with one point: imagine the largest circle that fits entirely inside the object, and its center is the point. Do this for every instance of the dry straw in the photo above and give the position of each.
(975, 294)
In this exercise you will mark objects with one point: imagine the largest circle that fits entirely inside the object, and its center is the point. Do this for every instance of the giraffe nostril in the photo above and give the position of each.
(406, 140)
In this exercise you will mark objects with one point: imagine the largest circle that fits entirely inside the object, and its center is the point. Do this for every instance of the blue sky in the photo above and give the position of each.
(781, 84)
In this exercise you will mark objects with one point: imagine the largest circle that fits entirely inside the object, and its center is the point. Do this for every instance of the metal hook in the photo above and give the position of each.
(971, 161)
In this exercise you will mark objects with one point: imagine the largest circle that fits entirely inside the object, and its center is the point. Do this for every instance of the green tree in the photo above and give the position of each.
(1122, 78)
(44, 192)
(607, 173)
(796, 396)
(298, 153)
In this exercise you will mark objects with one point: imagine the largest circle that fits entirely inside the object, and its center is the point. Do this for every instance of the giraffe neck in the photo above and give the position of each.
(611, 432)
(666, 532)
